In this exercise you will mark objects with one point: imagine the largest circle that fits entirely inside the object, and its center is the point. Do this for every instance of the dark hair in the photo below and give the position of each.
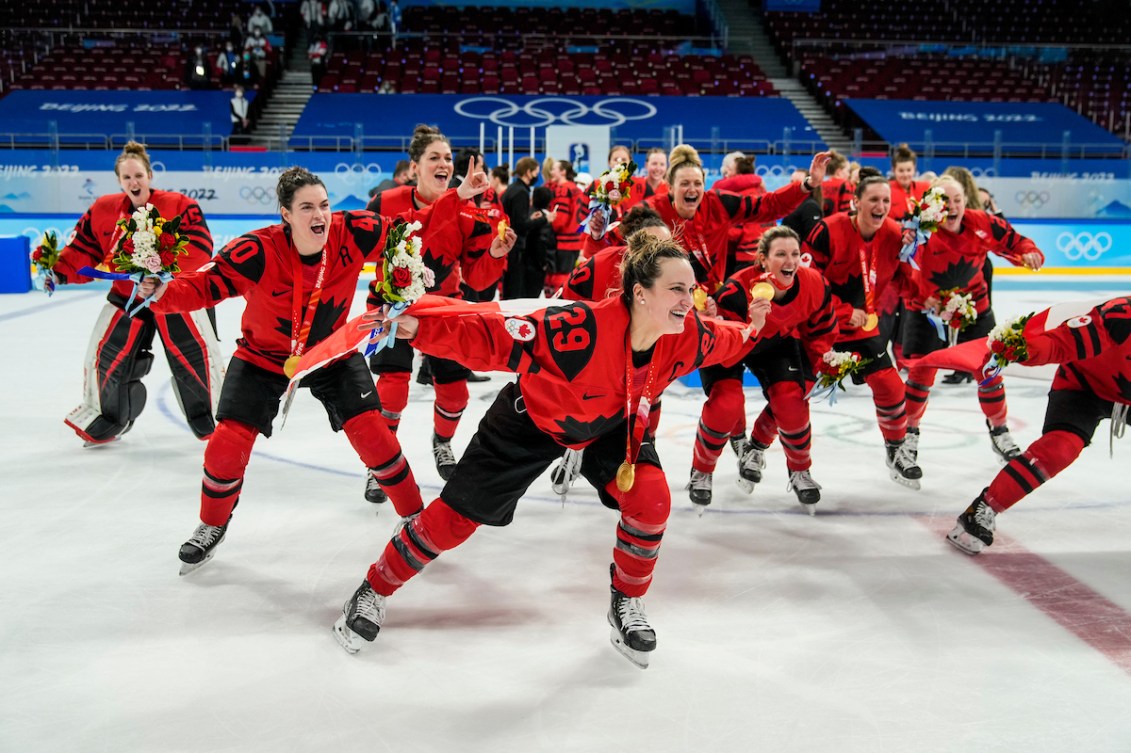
(525, 165)
(541, 197)
(871, 180)
(400, 167)
(744, 165)
(134, 150)
(618, 148)
(502, 172)
(867, 171)
(567, 167)
(422, 137)
(641, 263)
(292, 179)
(903, 153)
(638, 218)
(777, 232)
(463, 158)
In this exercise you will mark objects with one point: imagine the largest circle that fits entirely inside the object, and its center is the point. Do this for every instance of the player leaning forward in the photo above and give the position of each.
(298, 278)
(587, 374)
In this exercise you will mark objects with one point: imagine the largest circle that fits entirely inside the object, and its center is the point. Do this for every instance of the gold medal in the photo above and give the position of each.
(699, 298)
(626, 476)
(870, 323)
(502, 230)
(290, 366)
(762, 290)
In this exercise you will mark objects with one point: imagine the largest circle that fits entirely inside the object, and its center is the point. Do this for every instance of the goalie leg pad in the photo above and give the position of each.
(117, 357)
(193, 353)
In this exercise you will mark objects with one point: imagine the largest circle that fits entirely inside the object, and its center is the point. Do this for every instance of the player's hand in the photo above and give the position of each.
(475, 181)
(500, 247)
(859, 318)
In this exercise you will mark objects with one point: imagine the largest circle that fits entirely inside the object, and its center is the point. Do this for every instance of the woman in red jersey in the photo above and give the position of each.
(1092, 345)
(569, 206)
(302, 273)
(858, 253)
(476, 257)
(120, 351)
(799, 330)
(587, 375)
(953, 260)
(905, 190)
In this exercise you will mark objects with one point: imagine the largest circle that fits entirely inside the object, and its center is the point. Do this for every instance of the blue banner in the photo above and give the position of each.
(794, 6)
(1080, 245)
(191, 118)
(328, 118)
(1012, 127)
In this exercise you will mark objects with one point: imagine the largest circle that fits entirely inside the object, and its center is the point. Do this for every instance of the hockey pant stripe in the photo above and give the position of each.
(888, 394)
(451, 401)
(437, 529)
(917, 395)
(791, 413)
(991, 399)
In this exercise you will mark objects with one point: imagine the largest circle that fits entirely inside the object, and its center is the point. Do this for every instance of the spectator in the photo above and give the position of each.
(236, 30)
(313, 14)
(248, 73)
(259, 47)
(340, 15)
(227, 64)
(317, 53)
(541, 243)
(241, 124)
(199, 76)
(399, 178)
(387, 87)
(259, 21)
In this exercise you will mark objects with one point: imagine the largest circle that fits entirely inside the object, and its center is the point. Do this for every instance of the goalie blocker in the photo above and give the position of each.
(120, 354)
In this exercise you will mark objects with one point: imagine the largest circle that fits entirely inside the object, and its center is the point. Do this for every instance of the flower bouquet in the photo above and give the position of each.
(404, 278)
(148, 246)
(926, 216)
(1007, 345)
(609, 190)
(957, 314)
(833, 368)
(44, 257)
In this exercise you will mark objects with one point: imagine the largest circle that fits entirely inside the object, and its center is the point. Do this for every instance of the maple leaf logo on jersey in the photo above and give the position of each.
(440, 267)
(520, 329)
(326, 317)
(576, 430)
(957, 275)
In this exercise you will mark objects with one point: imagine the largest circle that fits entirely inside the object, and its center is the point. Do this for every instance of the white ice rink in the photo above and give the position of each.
(858, 630)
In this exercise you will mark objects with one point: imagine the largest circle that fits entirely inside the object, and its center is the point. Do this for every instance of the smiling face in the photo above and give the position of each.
(782, 261)
(134, 180)
(433, 171)
(557, 174)
(309, 218)
(955, 205)
(619, 156)
(687, 190)
(872, 207)
(656, 166)
(663, 308)
(904, 173)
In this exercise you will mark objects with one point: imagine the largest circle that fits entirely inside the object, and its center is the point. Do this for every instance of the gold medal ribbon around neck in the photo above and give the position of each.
(300, 331)
(634, 432)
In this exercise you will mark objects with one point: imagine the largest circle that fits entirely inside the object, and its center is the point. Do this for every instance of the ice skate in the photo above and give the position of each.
(807, 490)
(445, 458)
(1003, 442)
(911, 444)
(739, 444)
(199, 549)
(902, 466)
(699, 488)
(373, 491)
(361, 618)
(751, 465)
(632, 636)
(566, 472)
(975, 528)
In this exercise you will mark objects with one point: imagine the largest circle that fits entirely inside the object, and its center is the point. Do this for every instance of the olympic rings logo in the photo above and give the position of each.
(1084, 245)
(357, 170)
(256, 194)
(983, 172)
(1035, 199)
(534, 114)
(157, 167)
(774, 171)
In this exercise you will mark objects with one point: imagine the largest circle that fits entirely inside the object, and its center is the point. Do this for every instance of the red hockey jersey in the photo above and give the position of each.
(903, 202)
(96, 234)
(598, 277)
(571, 359)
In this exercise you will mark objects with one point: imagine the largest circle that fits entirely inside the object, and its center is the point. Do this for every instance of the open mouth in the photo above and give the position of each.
(318, 228)
(680, 314)
(443, 177)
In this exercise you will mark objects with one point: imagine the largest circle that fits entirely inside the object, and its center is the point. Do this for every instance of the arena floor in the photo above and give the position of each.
(859, 629)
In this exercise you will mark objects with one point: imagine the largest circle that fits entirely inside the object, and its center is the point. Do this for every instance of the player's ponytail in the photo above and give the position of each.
(641, 262)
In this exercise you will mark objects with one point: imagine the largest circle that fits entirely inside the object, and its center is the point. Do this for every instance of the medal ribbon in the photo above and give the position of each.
(634, 433)
(866, 274)
(301, 331)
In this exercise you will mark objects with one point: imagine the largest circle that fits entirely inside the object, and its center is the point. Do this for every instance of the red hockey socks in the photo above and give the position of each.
(392, 389)
(891, 409)
(717, 423)
(379, 449)
(451, 402)
(644, 511)
(991, 399)
(920, 379)
(765, 429)
(225, 460)
(792, 413)
(1045, 458)
(435, 530)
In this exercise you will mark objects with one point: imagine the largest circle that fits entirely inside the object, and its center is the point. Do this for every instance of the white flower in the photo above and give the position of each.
(412, 227)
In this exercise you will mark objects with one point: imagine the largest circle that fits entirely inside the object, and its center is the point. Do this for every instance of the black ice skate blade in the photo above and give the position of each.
(347, 639)
(964, 542)
(188, 567)
(639, 658)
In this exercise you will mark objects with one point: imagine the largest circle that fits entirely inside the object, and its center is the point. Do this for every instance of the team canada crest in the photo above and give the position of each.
(1080, 321)
(520, 329)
